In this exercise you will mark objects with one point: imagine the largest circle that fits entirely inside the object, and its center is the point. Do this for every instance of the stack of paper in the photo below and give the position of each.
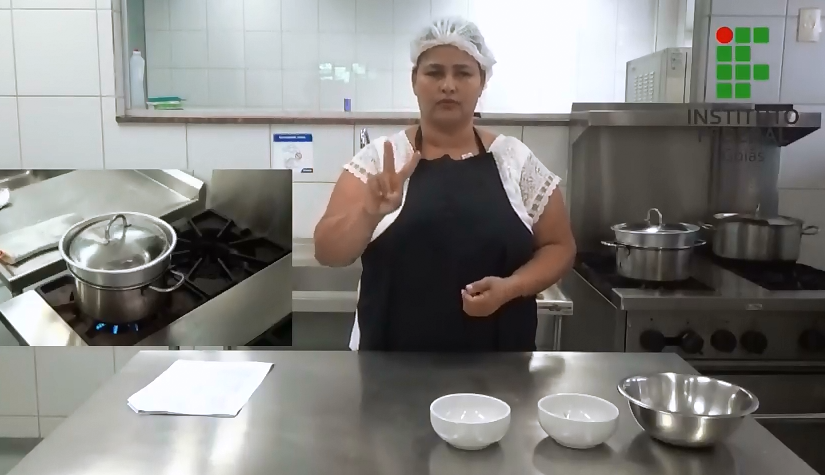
(201, 388)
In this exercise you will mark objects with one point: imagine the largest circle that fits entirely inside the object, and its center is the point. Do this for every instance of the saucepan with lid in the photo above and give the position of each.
(656, 234)
(119, 262)
(654, 251)
(756, 237)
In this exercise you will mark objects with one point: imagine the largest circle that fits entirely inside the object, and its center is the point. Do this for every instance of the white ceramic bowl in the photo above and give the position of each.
(578, 421)
(470, 421)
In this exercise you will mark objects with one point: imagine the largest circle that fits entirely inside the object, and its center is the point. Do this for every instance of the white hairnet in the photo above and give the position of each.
(457, 32)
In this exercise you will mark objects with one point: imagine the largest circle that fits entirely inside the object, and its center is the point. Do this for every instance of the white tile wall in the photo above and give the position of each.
(797, 75)
(328, 50)
(44, 385)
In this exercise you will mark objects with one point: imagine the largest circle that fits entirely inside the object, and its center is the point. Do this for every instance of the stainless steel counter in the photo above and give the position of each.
(350, 413)
(168, 194)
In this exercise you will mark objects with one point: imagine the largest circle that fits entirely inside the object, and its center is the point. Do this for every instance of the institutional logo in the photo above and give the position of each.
(734, 70)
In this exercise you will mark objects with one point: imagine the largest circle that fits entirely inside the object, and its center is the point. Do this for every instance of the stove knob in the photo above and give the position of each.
(812, 341)
(690, 342)
(723, 340)
(754, 342)
(652, 341)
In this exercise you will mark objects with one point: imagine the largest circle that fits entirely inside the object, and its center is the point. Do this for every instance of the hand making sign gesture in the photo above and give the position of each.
(386, 188)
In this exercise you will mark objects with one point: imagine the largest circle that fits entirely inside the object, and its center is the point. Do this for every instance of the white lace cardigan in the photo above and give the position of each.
(527, 182)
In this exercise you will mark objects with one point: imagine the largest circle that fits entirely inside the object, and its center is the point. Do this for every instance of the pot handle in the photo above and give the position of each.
(181, 280)
(108, 232)
(617, 246)
(707, 226)
(810, 230)
(650, 214)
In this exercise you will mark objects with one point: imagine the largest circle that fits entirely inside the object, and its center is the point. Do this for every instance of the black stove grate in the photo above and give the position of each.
(777, 276)
(602, 265)
(214, 254)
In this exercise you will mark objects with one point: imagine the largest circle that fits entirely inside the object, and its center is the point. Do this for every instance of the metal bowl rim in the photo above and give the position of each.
(750, 410)
(170, 231)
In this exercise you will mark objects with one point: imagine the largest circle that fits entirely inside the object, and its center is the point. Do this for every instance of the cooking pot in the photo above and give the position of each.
(119, 262)
(653, 264)
(658, 234)
(753, 237)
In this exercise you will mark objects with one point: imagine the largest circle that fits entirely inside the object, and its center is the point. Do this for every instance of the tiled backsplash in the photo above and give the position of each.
(311, 54)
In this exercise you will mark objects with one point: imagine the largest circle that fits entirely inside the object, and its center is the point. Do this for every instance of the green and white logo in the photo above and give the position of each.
(734, 69)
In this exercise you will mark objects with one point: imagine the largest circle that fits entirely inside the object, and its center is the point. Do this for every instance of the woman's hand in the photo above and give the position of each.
(386, 189)
(484, 297)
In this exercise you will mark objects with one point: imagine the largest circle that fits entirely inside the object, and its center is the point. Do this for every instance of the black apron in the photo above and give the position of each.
(456, 227)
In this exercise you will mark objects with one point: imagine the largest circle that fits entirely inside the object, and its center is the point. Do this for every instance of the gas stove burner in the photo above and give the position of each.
(215, 253)
(600, 265)
(116, 329)
(781, 276)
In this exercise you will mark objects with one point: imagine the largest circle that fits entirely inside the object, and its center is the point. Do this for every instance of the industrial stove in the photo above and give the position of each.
(236, 290)
(759, 325)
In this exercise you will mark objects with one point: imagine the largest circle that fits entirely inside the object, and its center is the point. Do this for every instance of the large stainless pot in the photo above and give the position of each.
(758, 238)
(118, 261)
(658, 234)
(653, 264)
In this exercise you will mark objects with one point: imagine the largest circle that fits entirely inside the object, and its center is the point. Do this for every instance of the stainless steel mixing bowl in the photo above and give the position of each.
(687, 410)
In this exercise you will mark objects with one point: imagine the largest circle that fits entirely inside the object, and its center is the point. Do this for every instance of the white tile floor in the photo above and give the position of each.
(12, 452)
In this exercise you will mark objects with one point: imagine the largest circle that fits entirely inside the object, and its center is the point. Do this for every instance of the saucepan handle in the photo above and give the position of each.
(612, 244)
(181, 280)
(810, 230)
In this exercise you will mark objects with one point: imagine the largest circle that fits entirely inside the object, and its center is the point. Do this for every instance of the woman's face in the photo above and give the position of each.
(448, 83)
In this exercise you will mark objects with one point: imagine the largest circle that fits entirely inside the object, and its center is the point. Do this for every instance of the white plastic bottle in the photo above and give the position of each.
(137, 74)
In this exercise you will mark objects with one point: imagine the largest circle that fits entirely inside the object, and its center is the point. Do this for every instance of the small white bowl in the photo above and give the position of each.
(470, 421)
(578, 421)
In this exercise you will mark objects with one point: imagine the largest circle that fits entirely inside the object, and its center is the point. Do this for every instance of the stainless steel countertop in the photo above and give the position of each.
(168, 194)
(551, 301)
(367, 413)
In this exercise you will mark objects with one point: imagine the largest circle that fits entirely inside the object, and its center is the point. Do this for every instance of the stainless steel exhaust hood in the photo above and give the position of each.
(782, 121)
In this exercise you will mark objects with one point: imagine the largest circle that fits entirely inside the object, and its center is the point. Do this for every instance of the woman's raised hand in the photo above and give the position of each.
(386, 189)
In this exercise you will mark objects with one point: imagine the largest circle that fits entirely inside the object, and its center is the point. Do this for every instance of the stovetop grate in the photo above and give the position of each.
(601, 265)
(778, 276)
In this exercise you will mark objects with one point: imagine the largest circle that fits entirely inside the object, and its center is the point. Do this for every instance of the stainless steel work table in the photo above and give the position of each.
(344, 413)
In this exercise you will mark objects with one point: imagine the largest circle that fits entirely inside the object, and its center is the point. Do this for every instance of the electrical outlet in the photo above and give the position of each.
(810, 25)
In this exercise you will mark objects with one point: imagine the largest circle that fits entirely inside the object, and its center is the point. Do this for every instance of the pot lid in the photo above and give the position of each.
(659, 227)
(758, 219)
(120, 241)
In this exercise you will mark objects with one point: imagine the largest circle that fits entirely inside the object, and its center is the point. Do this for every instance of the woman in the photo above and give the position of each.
(457, 228)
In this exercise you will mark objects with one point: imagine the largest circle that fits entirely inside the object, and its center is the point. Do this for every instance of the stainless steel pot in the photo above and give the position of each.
(659, 234)
(117, 260)
(758, 238)
(121, 306)
(653, 264)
